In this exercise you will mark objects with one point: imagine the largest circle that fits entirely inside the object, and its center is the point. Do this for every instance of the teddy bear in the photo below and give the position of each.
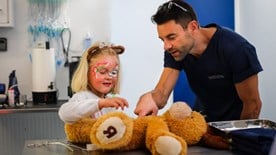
(169, 133)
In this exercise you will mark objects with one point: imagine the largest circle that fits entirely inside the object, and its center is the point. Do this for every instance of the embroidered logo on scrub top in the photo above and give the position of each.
(216, 77)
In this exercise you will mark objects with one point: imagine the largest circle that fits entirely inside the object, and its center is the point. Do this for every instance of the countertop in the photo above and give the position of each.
(30, 107)
(46, 147)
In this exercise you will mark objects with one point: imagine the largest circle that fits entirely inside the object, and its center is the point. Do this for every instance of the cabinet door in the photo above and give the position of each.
(6, 13)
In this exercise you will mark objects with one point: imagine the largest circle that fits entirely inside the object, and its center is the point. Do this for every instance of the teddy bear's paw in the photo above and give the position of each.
(112, 131)
(165, 145)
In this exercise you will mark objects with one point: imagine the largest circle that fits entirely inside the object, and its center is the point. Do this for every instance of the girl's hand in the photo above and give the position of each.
(114, 102)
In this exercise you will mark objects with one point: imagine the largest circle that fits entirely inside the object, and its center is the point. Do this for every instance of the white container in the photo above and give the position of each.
(87, 41)
(11, 97)
(43, 70)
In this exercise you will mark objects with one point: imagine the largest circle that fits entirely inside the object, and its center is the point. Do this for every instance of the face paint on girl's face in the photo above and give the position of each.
(102, 69)
(103, 74)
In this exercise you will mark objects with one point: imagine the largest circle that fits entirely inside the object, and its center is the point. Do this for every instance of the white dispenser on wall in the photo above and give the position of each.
(44, 75)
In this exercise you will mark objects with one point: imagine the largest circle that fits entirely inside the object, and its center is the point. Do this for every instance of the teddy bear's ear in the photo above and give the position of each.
(112, 131)
(118, 49)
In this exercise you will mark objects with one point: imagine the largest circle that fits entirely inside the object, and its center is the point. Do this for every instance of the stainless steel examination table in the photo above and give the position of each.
(55, 147)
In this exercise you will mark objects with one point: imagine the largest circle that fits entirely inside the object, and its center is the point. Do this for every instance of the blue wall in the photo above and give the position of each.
(208, 11)
(214, 11)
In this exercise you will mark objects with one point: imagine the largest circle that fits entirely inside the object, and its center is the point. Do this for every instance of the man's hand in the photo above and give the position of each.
(146, 106)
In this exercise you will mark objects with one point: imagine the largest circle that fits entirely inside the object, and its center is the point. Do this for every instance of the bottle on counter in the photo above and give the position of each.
(13, 91)
(87, 41)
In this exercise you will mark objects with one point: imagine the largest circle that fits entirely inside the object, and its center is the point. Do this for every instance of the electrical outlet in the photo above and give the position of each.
(3, 44)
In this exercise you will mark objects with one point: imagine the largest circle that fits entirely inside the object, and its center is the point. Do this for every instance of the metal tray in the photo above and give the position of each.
(224, 127)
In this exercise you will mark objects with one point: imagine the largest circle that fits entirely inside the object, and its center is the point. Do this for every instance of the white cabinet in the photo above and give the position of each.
(6, 13)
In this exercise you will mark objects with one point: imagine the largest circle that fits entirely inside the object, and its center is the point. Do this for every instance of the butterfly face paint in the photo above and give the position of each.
(102, 70)
(103, 74)
(105, 68)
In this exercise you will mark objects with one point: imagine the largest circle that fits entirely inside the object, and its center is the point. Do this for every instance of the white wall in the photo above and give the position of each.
(142, 62)
(119, 21)
(83, 17)
(256, 22)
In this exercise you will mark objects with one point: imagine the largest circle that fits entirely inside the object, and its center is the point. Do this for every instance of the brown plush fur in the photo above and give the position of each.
(79, 132)
(144, 132)
(116, 144)
(158, 127)
(191, 129)
(138, 136)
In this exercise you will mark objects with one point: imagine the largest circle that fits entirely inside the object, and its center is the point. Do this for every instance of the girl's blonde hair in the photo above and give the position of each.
(80, 76)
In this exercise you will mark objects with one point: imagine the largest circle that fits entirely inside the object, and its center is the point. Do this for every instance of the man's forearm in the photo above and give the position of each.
(159, 98)
(251, 111)
(164, 87)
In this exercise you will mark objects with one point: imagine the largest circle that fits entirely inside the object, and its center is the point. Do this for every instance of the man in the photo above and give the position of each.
(221, 66)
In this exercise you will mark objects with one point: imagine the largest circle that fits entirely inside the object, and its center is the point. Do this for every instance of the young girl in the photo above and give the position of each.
(94, 82)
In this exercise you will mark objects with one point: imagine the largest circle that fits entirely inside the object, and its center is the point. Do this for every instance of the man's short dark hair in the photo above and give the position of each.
(177, 10)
